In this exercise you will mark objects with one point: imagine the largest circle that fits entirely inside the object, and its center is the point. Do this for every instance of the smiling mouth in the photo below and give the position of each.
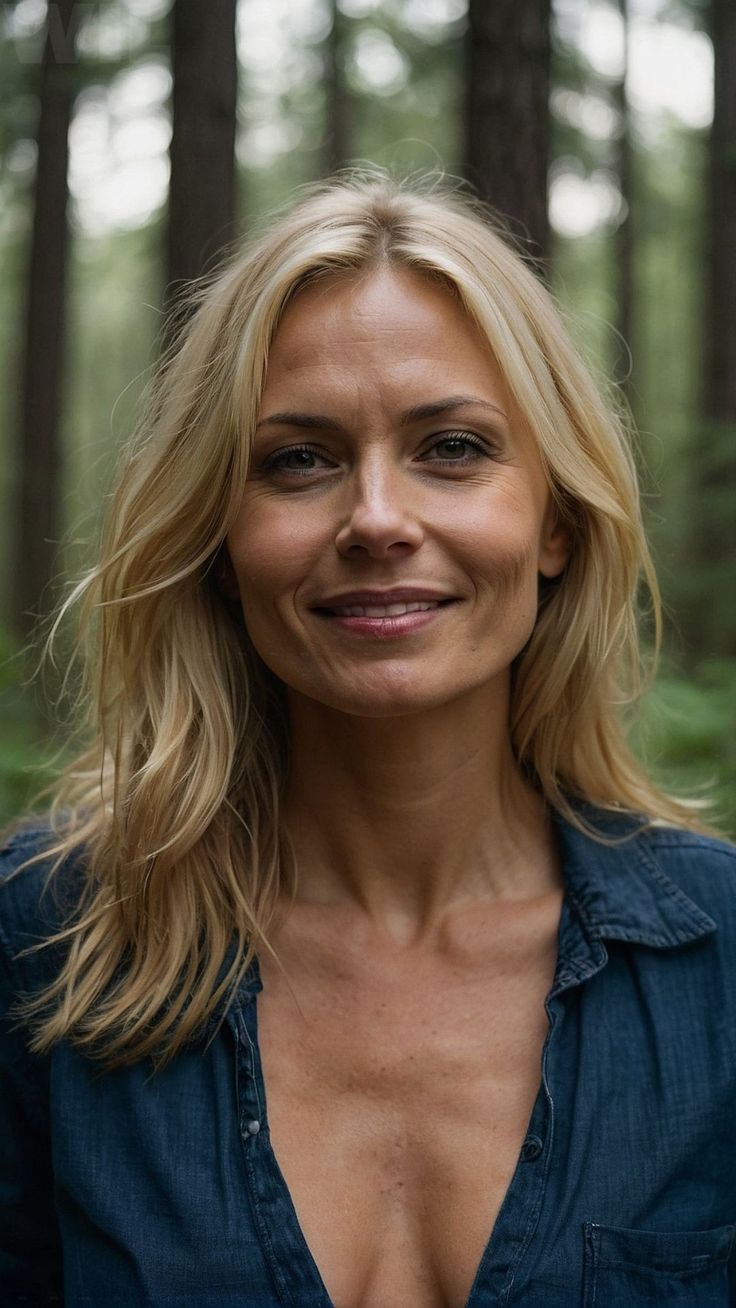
(383, 610)
(399, 608)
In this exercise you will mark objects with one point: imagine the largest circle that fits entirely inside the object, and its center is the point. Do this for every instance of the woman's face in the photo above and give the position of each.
(388, 458)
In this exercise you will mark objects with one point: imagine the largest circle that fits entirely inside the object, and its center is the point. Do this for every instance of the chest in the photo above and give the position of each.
(397, 1109)
(162, 1193)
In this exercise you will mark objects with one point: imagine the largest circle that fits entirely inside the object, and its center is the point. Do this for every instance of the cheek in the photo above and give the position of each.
(512, 577)
(501, 546)
(270, 551)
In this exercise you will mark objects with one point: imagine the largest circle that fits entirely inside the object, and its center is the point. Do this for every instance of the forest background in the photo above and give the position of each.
(139, 138)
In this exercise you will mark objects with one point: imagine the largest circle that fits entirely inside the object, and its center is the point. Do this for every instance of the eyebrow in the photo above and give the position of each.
(433, 409)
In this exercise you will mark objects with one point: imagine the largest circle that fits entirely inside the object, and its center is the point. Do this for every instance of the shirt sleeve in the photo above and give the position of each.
(30, 1241)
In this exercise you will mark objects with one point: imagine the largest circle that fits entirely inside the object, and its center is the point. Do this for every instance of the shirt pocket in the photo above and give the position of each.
(631, 1269)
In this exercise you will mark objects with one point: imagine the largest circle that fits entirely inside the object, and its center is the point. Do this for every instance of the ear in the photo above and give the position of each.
(224, 574)
(556, 543)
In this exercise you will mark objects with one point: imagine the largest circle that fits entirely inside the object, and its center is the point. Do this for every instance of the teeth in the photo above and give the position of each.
(386, 610)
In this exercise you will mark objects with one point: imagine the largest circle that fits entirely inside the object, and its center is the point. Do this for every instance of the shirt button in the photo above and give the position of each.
(531, 1148)
(253, 1128)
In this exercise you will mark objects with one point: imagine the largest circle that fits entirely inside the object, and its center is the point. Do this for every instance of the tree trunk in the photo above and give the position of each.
(711, 616)
(337, 100)
(38, 524)
(720, 338)
(507, 129)
(201, 219)
(624, 236)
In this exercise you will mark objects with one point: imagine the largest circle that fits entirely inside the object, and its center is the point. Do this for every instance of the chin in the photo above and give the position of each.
(385, 701)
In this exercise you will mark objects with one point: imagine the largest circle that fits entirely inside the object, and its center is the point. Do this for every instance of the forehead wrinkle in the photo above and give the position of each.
(314, 363)
(348, 403)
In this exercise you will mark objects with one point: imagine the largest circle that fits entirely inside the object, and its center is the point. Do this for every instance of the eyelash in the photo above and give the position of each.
(274, 461)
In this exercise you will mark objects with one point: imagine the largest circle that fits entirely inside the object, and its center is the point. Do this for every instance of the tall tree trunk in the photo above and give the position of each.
(720, 337)
(338, 122)
(38, 523)
(711, 621)
(507, 127)
(624, 236)
(201, 219)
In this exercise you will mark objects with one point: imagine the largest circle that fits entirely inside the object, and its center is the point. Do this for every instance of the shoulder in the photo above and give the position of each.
(690, 848)
(634, 880)
(36, 897)
(702, 867)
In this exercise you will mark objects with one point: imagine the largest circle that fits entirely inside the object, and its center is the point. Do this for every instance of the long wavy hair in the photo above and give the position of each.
(174, 806)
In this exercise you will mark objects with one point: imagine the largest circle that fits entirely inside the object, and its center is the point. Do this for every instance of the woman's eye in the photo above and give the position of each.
(297, 458)
(459, 447)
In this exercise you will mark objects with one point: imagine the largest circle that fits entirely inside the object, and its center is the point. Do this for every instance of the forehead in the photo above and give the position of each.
(390, 319)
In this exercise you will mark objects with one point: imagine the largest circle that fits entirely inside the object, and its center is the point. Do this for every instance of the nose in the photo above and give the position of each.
(380, 515)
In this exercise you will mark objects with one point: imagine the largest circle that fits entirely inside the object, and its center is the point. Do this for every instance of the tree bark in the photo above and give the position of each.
(337, 100)
(624, 235)
(201, 218)
(38, 522)
(720, 338)
(710, 618)
(507, 126)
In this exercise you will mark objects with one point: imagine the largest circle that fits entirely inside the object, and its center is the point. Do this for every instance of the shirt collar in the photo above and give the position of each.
(614, 891)
(621, 891)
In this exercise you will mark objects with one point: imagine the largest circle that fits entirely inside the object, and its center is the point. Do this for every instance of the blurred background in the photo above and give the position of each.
(139, 138)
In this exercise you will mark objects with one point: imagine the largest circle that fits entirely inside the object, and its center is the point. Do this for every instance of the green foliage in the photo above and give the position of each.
(24, 753)
(686, 734)
(115, 320)
(697, 563)
(411, 121)
(422, 116)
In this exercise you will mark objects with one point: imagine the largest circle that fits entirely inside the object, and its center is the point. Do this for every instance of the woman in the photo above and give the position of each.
(375, 971)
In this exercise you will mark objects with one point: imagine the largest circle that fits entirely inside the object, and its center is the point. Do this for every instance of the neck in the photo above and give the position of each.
(406, 818)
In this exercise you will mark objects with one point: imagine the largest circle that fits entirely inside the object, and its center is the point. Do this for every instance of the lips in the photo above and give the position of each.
(381, 604)
(384, 610)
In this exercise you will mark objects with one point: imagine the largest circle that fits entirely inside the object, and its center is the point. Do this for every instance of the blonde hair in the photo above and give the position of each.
(176, 803)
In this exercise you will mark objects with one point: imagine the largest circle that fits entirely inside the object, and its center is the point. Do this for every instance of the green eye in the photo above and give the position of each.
(468, 448)
(457, 444)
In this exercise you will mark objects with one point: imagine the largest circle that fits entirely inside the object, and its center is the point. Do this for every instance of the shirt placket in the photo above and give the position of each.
(501, 1279)
(295, 1273)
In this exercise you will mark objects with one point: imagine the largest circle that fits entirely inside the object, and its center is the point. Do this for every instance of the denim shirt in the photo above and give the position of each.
(163, 1190)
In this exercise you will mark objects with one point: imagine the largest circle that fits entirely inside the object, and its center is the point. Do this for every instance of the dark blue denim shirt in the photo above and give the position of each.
(132, 1189)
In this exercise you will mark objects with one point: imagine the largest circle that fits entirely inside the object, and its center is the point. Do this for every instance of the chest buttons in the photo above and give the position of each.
(531, 1148)
(252, 1128)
